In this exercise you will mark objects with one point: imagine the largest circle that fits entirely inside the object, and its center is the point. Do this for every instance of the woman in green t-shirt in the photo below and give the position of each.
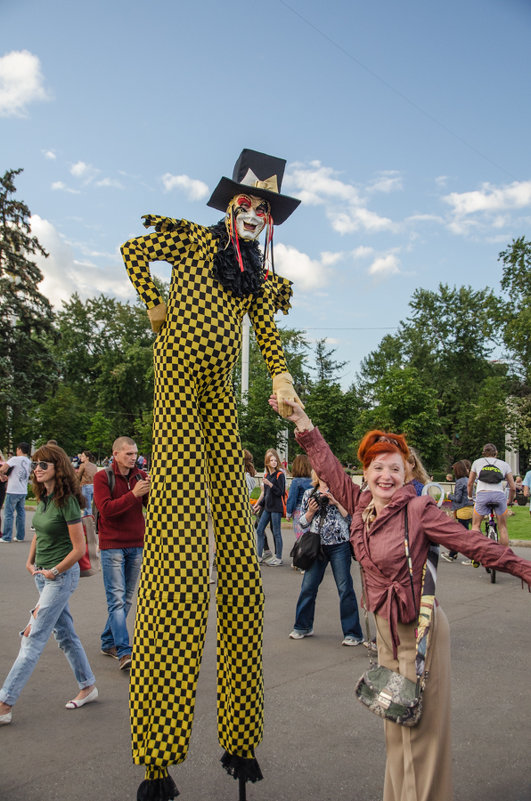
(57, 547)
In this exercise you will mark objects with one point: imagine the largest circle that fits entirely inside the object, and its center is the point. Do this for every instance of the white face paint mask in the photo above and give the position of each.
(250, 214)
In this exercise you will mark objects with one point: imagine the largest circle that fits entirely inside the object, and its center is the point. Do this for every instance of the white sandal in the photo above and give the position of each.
(92, 696)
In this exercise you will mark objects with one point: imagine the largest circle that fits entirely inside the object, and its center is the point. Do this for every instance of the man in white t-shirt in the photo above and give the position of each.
(491, 473)
(18, 469)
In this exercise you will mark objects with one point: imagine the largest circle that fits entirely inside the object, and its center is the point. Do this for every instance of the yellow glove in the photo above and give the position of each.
(157, 315)
(283, 389)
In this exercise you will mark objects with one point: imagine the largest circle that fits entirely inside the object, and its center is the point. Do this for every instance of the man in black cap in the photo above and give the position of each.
(219, 274)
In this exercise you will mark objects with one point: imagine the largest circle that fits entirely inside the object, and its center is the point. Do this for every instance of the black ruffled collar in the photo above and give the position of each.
(226, 269)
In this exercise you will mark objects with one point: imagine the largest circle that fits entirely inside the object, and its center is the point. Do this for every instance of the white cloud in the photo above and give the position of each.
(316, 184)
(357, 217)
(64, 274)
(425, 218)
(306, 273)
(384, 266)
(362, 252)
(344, 203)
(79, 169)
(112, 183)
(192, 187)
(387, 181)
(60, 186)
(21, 83)
(328, 259)
(49, 154)
(490, 198)
(85, 172)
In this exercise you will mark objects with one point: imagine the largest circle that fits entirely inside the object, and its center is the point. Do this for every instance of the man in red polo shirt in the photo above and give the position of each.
(120, 492)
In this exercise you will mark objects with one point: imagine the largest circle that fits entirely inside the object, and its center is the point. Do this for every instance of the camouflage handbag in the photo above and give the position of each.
(389, 694)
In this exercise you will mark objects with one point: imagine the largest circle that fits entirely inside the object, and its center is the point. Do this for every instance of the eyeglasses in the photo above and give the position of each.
(41, 465)
(390, 440)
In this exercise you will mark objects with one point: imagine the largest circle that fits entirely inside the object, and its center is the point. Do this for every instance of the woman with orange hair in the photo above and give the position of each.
(419, 758)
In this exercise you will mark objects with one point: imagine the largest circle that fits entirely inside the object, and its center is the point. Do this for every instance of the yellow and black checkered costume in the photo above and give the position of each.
(195, 437)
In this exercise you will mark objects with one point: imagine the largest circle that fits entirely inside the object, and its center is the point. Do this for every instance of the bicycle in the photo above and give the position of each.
(491, 531)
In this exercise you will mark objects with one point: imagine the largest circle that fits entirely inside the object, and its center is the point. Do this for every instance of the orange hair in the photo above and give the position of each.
(377, 442)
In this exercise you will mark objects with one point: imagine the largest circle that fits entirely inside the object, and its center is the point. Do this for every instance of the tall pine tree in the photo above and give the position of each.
(26, 320)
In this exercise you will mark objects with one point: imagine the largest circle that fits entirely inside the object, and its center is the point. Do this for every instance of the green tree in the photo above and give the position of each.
(26, 320)
(104, 354)
(63, 416)
(448, 339)
(326, 367)
(483, 419)
(143, 432)
(328, 406)
(101, 434)
(515, 313)
(259, 426)
(406, 404)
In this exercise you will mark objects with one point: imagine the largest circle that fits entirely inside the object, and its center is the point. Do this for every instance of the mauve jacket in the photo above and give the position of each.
(381, 551)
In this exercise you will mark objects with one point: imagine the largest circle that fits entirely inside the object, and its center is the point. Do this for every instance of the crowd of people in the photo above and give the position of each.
(365, 522)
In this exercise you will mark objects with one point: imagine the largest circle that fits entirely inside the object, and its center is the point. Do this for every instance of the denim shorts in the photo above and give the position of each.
(491, 496)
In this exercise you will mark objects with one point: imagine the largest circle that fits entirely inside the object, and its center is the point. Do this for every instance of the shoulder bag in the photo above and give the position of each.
(389, 694)
(89, 564)
(307, 547)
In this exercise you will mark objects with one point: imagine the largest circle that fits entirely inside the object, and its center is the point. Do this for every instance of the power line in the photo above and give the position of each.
(350, 328)
(396, 91)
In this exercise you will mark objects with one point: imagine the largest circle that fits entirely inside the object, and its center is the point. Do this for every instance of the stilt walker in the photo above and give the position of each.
(218, 275)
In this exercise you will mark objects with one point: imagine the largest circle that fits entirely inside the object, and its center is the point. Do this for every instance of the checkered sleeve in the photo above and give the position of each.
(168, 243)
(262, 313)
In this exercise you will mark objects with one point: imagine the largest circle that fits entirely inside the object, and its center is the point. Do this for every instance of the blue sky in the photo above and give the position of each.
(406, 128)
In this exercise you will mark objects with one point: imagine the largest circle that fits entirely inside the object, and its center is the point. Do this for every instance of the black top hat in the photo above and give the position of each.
(256, 174)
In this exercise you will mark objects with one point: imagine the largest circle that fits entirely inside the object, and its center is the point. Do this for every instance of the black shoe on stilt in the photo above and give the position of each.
(245, 770)
(160, 789)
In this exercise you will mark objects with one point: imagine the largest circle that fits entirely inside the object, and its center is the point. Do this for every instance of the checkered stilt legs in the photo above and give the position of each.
(174, 590)
(239, 591)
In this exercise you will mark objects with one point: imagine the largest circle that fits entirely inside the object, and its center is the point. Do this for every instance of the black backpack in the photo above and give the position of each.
(111, 479)
(490, 474)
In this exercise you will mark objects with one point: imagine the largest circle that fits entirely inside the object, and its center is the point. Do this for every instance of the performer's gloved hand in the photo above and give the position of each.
(157, 315)
(284, 390)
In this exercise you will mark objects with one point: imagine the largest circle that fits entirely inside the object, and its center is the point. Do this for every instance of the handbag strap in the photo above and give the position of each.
(409, 562)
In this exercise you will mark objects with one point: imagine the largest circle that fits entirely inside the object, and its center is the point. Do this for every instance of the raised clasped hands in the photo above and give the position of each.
(297, 416)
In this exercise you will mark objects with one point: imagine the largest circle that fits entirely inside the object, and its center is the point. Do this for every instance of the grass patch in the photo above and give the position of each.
(519, 525)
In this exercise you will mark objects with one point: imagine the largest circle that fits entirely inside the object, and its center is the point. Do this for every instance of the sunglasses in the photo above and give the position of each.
(42, 465)
(390, 440)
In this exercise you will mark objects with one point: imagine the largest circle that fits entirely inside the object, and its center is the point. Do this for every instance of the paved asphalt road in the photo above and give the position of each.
(319, 744)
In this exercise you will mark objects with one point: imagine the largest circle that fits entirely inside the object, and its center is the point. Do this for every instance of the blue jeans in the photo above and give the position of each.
(120, 568)
(88, 493)
(339, 557)
(275, 518)
(15, 502)
(53, 615)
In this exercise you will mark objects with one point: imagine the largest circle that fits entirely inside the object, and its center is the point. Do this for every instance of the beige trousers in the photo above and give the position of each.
(419, 759)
